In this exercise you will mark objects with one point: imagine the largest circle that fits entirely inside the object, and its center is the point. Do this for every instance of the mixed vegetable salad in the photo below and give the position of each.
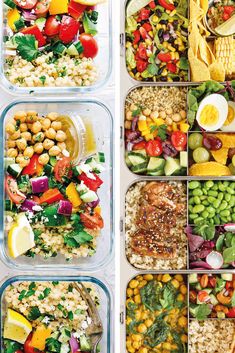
(156, 40)
(212, 296)
(219, 12)
(44, 32)
(51, 205)
(47, 317)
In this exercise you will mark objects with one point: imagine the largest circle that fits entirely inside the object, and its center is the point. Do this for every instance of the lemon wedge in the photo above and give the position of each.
(20, 236)
(90, 2)
(16, 327)
(135, 5)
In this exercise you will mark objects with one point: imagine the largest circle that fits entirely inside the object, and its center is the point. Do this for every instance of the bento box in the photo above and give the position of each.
(57, 161)
(179, 312)
(180, 131)
(179, 41)
(53, 48)
(51, 313)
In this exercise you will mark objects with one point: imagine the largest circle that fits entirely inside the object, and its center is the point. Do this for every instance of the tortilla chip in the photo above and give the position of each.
(204, 5)
(199, 70)
(217, 71)
(196, 12)
(205, 52)
(220, 155)
(228, 140)
(194, 38)
(209, 169)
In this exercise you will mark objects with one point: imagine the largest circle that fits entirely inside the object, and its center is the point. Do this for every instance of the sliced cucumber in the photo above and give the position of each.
(14, 170)
(72, 50)
(214, 301)
(155, 164)
(8, 161)
(227, 276)
(172, 166)
(139, 168)
(184, 159)
(143, 152)
(136, 158)
(159, 172)
(127, 160)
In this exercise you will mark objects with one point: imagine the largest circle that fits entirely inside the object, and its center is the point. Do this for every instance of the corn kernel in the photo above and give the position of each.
(179, 278)
(173, 13)
(155, 18)
(174, 127)
(164, 72)
(171, 48)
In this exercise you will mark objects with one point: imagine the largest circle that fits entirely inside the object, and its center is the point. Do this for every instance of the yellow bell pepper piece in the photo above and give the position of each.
(97, 209)
(13, 15)
(184, 127)
(58, 7)
(73, 195)
(40, 336)
(159, 121)
(142, 125)
(174, 127)
(149, 137)
(145, 132)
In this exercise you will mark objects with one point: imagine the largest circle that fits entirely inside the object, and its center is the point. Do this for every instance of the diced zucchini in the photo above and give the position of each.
(192, 278)
(89, 196)
(10, 3)
(53, 161)
(227, 276)
(127, 160)
(139, 168)
(136, 158)
(48, 169)
(214, 301)
(155, 164)
(172, 165)
(184, 159)
(40, 22)
(14, 170)
(8, 161)
(72, 50)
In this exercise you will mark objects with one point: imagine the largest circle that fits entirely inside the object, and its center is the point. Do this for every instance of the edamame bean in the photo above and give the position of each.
(209, 184)
(191, 201)
(190, 208)
(230, 190)
(220, 196)
(205, 203)
(197, 200)
(216, 203)
(217, 219)
(223, 205)
(205, 191)
(193, 184)
(223, 219)
(198, 208)
(205, 214)
(215, 187)
(198, 220)
(232, 185)
(211, 215)
(210, 209)
(212, 193)
(211, 199)
(226, 183)
(197, 192)
(221, 187)
(193, 216)
(233, 217)
(203, 197)
(228, 197)
(225, 213)
(211, 221)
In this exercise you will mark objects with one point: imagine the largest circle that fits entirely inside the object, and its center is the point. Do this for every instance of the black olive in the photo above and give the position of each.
(134, 71)
(156, 2)
(175, 3)
(163, 78)
(176, 79)
(163, 22)
(143, 22)
(175, 23)
(161, 40)
(171, 40)
(157, 51)
(160, 33)
(158, 13)
(160, 70)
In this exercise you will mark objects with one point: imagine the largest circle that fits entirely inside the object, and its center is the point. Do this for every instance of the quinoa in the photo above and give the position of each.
(55, 307)
(48, 71)
(147, 262)
(213, 336)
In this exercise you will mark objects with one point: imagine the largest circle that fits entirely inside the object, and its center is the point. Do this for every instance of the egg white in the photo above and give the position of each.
(231, 126)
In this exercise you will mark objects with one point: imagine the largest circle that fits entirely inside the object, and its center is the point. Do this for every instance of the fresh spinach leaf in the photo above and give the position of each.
(220, 243)
(229, 255)
(202, 311)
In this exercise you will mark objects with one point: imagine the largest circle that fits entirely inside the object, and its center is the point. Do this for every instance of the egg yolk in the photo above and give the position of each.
(230, 116)
(209, 115)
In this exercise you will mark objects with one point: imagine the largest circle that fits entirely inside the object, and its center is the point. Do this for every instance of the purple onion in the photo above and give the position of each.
(93, 204)
(201, 264)
(134, 123)
(168, 149)
(208, 244)
(39, 184)
(74, 345)
(28, 16)
(166, 36)
(28, 205)
(65, 208)
(129, 146)
(140, 139)
(132, 135)
(195, 242)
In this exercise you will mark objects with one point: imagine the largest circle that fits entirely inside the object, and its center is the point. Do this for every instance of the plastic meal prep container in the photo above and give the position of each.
(105, 309)
(103, 60)
(101, 120)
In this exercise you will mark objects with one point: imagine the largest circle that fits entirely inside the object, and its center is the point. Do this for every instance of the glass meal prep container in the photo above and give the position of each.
(163, 314)
(100, 74)
(98, 290)
(92, 122)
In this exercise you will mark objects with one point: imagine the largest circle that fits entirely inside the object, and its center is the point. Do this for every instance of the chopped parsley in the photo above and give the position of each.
(43, 79)
(45, 294)
(27, 47)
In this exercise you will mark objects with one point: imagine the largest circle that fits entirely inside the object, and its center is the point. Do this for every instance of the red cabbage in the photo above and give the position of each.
(65, 208)
(39, 184)
(201, 254)
(134, 123)
(201, 264)
(94, 203)
(28, 205)
(74, 345)
(194, 241)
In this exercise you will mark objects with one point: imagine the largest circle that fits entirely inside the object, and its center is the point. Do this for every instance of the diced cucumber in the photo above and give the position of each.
(192, 278)
(53, 161)
(10, 3)
(14, 170)
(155, 164)
(84, 344)
(198, 286)
(184, 159)
(220, 315)
(136, 158)
(127, 160)
(19, 24)
(192, 309)
(159, 172)
(214, 301)
(48, 169)
(89, 196)
(143, 152)
(227, 276)
(72, 50)
(40, 22)
(76, 170)
(140, 168)
(59, 48)
(172, 165)
(101, 157)
(8, 161)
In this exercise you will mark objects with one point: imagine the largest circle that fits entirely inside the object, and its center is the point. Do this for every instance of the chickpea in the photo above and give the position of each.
(137, 315)
(133, 107)
(54, 151)
(12, 152)
(23, 127)
(21, 116)
(28, 152)
(175, 283)
(131, 349)
(50, 133)
(169, 111)
(137, 299)
(47, 144)
(46, 124)
(127, 125)
(182, 321)
(39, 137)
(148, 277)
(21, 144)
(32, 116)
(162, 115)
(148, 322)
(166, 345)
(136, 337)
(159, 278)
(146, 111)
(144, 315)
(169, 121)
(184, 338)
(154, 115)
(142, 284)
(10, 128)
(129, 115)
(143, 350)
(183, 289)
(61, 145)
(36, 127)
(10, 144)
(136, 344)
(179, 278)
(136, 291)
(26, 135)
(176, 118)
(128, 321)
(142, 328)
(166, 278)
(44, 159)
(61, 136)
(15, 136)
(23, 161)
(180, 297)
(129, 292)
(56, 125)
(183, 114)
(184, 312)
(38, 148)
(53, 116)
(133, 284)
(139, 278)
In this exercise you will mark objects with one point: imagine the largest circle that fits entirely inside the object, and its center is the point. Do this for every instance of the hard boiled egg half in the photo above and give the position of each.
(229, 124)
(212, 112)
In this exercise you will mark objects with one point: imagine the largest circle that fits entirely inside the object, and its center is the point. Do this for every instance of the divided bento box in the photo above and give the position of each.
(57, 165)
(55, 46)
(53, 313)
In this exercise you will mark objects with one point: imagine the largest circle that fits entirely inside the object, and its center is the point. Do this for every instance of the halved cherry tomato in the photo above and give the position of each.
(154, 148)
(136, 37)
(229, 285)
(166, 5)
(226, 16)
(143, 15)
(165, 57)
(212, 282)
(12, 190)
(141, 65)
(142, 52)
(192, 296)
(63, 169)
(143, 33)
(34, 166)
(229, 9)
(26, 4)
(89, 45)
(147, 27)
(42, 8)
(68, 29)
(179, 140)
(52, 26)
(35, 31)
(139, 146)
(203, 296)
(92, 184)
(75, 9)
(171, 67)
(94, 221)
(152, 5)
(50, 196)
(28, 348)
(231, 313)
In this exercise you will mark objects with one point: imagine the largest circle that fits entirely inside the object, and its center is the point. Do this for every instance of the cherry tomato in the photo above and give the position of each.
(226, 16)
(147, 27)
(139, 146)
(143, 33)
(141, 65)
(212, 282)
(12, 190)
(63, 169)
(171, 67)
(68, 29)
(165, 57)
(42, 8)
(52, 26)
(179, 140)
(94, 221)
(142, 52)
(89, 44)
(229, 9)
(152, 5)
(192, 296)
(229, 285)
(28, 348)
(154, 148)
(136, 37)
(26, 4)
(231, 313)
(143, 15)
(203, 296)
